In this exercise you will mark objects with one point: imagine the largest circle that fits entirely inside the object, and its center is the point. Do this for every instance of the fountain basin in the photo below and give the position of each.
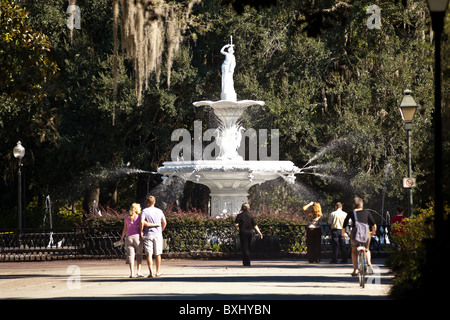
(228, 181)
(228, 111)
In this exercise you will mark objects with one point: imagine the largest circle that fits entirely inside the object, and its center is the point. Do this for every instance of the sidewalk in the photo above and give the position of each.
(190, 279)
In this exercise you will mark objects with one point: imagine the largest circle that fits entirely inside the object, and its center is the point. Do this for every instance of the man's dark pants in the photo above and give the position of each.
(337, 245)
(246, 241)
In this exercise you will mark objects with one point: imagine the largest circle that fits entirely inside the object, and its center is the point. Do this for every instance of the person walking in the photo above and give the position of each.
(313, 212)
(399, 220)
(153, 223)
(133, 243)
(336, 221)
(363, 216)
(246, 223)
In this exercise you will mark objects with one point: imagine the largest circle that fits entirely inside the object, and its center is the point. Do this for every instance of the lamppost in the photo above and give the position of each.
(19, 153)
(437, 10)
(408, 108)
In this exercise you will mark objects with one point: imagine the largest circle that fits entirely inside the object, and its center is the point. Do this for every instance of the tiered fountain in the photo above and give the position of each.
(228, 176)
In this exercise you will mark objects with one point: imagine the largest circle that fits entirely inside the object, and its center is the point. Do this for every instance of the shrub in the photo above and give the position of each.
(104, 218)
(186, 229)
(65, 217)
(408, 256)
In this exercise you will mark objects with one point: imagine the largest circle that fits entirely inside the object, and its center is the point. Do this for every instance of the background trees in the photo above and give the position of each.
(331, 86)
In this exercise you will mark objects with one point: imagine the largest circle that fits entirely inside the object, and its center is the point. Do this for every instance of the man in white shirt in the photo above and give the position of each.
(153, 223)
(336, 221)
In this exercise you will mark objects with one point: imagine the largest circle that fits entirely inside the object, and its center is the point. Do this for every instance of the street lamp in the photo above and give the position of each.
(408, 108)
(19, 153)
(437, 10)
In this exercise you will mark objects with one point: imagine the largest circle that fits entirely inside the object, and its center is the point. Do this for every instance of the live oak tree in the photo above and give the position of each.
(330, 84)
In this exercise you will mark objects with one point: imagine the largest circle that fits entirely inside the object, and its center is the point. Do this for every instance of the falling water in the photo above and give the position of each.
(169, 191)
(335, 178)
(304, 192)
(74, 189)
(329, 147)
(386, 171)
(115, 173)
(48, 212)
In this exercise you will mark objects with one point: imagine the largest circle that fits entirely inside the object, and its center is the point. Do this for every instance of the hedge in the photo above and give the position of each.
(192, 230)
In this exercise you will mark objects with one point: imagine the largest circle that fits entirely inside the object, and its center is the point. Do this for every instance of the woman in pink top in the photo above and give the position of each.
(133, 242)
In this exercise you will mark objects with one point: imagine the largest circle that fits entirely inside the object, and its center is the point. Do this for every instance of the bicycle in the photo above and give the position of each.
(362, 264)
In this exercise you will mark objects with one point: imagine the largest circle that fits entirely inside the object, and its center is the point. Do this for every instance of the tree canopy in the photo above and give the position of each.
(87, 102)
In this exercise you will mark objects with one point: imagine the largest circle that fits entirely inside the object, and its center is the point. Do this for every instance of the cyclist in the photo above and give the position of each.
(363, 216)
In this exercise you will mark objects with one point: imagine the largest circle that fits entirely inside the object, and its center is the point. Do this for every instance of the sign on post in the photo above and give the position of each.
(409, 183)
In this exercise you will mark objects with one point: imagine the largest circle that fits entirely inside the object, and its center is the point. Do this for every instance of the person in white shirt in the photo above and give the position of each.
(153, 223)
(336, 221)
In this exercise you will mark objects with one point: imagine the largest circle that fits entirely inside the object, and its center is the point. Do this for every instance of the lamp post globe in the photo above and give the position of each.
(19, 151)
(438, 5)
(408, 106)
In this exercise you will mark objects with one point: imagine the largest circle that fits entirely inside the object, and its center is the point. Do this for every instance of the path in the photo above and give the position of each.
(190, 279)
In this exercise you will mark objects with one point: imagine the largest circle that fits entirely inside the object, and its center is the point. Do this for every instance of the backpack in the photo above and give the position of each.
(361, 233)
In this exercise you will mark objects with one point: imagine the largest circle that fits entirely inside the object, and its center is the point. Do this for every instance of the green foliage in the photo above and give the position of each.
(193, 231)
(66, 217)
(408, 257)
(103, 218)
(190, 230)
(324, 76)
(24, 62)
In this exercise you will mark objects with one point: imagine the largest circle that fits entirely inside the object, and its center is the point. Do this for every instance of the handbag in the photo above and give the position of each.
(361, 233)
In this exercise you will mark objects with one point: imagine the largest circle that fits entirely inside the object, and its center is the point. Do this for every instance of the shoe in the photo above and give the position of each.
(139, 275)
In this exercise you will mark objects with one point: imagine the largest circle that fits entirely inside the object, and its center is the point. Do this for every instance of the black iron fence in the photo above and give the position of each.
(179, 241)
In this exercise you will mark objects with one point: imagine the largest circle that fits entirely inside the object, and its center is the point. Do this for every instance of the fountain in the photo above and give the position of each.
(228, 176)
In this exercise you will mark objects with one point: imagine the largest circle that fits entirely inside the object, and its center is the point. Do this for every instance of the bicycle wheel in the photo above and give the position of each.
(362, 266)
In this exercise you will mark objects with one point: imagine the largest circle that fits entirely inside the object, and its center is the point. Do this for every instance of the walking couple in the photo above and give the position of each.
(143, 231)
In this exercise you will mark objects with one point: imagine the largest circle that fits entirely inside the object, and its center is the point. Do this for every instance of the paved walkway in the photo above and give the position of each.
(190, 279)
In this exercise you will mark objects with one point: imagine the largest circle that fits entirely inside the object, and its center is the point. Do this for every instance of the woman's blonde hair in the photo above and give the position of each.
(135, 209)
(316, 210)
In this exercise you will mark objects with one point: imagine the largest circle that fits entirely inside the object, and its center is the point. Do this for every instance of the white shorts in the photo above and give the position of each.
(153, 244)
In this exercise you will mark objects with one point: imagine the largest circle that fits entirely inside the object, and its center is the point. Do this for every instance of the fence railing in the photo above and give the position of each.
(207, 241)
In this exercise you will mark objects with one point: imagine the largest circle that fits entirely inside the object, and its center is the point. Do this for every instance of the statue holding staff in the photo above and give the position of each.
(228, 66)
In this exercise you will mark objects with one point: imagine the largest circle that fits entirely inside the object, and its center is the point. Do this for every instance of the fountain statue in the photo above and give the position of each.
(228, 176)
(228, 66)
